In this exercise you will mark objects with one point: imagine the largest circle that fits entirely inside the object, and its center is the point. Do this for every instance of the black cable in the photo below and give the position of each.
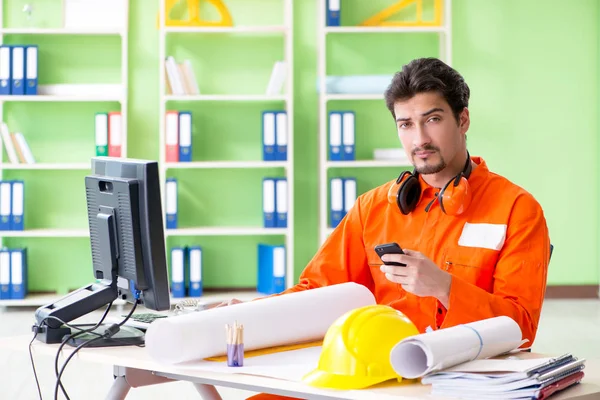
(68, 359)
(33, 365)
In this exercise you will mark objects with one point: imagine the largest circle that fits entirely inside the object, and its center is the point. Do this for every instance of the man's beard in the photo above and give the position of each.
(429, 168)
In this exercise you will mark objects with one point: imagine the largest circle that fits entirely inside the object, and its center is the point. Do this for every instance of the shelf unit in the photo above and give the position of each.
(200, 168)
(324, 31)
(28, 35)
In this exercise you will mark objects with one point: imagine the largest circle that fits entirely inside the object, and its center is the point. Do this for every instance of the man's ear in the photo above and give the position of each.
(464, 120)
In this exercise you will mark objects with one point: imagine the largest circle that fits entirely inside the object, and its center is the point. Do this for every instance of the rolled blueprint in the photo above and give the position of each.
(273, 321)
(422, 354)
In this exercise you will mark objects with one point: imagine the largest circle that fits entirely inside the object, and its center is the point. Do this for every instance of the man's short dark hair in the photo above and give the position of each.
(428, 75)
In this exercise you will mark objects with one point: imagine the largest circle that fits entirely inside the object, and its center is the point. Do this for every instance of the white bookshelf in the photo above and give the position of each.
(166, 101)
(119, 96)
(445, 53)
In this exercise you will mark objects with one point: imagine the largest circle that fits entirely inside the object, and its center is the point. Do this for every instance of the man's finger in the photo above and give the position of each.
(393, 270)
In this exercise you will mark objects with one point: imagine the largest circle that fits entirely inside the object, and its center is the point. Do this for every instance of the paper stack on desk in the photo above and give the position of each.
(507, 378)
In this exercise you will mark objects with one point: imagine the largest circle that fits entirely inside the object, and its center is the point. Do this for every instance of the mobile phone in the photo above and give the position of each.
(389, 248)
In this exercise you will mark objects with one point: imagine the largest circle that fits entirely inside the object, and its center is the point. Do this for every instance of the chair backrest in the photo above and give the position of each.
(551, 248)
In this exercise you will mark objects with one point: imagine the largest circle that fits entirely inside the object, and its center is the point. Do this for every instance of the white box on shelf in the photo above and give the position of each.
(81, 89)
(98, 14)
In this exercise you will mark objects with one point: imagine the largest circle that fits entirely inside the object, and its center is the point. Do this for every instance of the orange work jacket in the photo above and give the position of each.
(497, 251)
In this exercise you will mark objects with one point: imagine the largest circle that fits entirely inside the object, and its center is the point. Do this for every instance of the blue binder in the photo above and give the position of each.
(17, 205)
(178, 272)
(18, 274)
(269, 200)
(31, 69)
(171, 203)
(195, 268)
(5, 69)
(336, 194)
(348, 135)
(268, 135)
(281, 202)
(5, 272)
(185, 136)
(18, 70)
(271, 268)
(335, 136)
(333, 12)
(5, 205)
(281, 135)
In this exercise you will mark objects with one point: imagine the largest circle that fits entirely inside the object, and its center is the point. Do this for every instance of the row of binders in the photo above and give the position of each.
(274, 135)
(12, 205)
(186, 271)
(17, 148)
(275, 202)
(109, 133)
(13, 273)
(18, 69)
(342, 135)
(178, 136)
(343, 196)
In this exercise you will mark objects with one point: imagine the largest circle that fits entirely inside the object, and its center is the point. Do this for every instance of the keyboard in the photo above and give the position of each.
(146, 318)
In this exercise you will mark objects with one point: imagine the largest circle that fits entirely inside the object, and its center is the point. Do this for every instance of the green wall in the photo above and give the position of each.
(532, 70)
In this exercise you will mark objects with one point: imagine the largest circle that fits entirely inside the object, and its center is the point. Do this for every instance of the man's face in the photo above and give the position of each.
(428, 131)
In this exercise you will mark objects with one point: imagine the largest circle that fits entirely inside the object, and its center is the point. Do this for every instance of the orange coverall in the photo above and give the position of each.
(497, 251)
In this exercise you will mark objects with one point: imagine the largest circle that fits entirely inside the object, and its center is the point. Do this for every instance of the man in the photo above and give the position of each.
(476, 245)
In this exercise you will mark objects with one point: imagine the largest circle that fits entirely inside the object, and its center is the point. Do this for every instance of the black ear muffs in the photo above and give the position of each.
(405, 192)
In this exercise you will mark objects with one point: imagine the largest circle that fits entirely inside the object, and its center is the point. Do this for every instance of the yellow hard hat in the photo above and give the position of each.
(356, 348)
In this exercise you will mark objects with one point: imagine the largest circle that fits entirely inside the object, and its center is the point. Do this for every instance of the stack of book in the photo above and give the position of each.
(508, 378)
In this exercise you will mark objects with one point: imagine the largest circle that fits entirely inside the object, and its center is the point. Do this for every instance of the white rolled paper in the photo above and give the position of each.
(422, 354)
(273, 321)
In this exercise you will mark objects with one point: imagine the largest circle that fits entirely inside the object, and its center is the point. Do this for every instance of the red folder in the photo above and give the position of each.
(115, 134)
(560, 385)
(172, 136)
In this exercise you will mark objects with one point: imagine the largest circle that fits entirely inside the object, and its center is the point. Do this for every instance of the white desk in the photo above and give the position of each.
(135, 368)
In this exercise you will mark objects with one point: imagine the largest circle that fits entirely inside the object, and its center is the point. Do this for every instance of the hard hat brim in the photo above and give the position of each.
(322, 379)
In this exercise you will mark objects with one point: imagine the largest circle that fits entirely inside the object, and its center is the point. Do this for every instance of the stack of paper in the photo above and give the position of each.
(507, 378)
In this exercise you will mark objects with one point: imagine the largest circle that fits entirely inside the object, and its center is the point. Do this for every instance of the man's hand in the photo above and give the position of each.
(228, 303)
(420, 276)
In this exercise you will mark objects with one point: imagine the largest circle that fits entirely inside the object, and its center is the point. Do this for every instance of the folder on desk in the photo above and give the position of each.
(5, 205)
(172, 136)
(281, 203)
(31, 70)
(335, 136)
(337, 201)
(185, 136)
(348, 136)
(268, 201)
(271, 268)
(115, 133)
(349, 194)
(171, 203)
(333, 12)
(177, 272)
(281, 136)
(18, 273)
(18, 70)
(5, 70)
(17, 205)
(195, 263)
(5, 285)
(268, 135)
(101, 133)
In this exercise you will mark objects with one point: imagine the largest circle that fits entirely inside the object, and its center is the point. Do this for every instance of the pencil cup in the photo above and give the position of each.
(235, 355)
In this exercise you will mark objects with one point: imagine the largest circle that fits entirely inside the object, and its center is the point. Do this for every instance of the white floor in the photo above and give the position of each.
(566, 326)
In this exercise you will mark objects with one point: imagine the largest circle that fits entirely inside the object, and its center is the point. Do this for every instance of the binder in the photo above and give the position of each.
(281, 202)
(5, 205)
(18, 273)
(177, 272)
(333, 12)
(349, 194)
(271, 268)
(195, 260)
(31, 69)
(101, 130)
(171, 202)
(185, 136)
(115, 133)
(281, 136)
(269, 203)
(17, 205)
(18, 70)
(268, 134)
(5, 272)
(172, 136)
(5, 70)
(335, 136)
(348, 136)
(337, 201)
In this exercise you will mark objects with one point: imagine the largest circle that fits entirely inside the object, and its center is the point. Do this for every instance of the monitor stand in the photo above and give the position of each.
(127, 336)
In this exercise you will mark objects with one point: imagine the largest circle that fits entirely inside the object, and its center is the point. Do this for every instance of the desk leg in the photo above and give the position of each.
(207, 392)
(119, 389)
(126, 378)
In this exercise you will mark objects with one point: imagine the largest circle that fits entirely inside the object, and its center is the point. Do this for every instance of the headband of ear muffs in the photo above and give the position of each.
(455, 197)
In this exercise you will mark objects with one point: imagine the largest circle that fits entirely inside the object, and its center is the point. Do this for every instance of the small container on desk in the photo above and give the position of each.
(235, 345)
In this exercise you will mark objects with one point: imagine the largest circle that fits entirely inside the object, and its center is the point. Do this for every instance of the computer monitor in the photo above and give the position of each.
(127, 244)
